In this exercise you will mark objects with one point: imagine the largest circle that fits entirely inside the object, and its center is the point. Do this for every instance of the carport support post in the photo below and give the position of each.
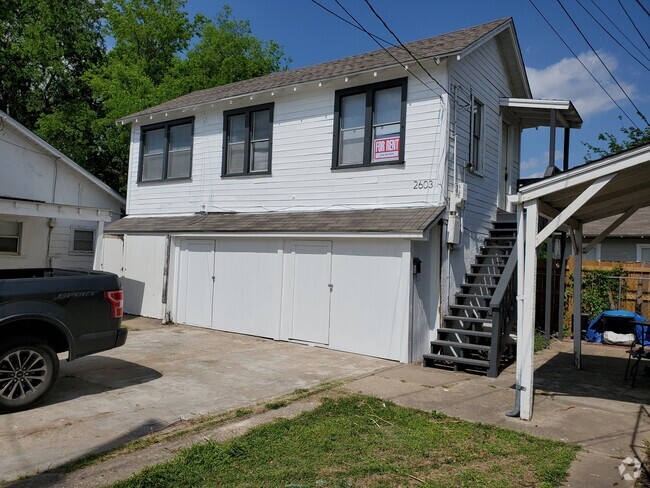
(577, 295)
(549, 288)
(526, 342)
(99, 245)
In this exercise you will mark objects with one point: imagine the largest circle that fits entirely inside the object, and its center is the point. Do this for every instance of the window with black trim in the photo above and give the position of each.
(10, 233)
(476, 132)
(83, 241)
(369, 123)
(166, 151)
(247, 141)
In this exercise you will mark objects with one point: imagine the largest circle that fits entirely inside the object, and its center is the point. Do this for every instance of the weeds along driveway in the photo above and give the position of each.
(163, 374)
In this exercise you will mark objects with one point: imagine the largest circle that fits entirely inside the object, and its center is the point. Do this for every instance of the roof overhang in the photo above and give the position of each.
(537, 113)
(53, 210)
(610, 186)
(386, 223)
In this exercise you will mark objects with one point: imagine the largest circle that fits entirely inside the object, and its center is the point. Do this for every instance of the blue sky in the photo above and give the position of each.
(310, 35)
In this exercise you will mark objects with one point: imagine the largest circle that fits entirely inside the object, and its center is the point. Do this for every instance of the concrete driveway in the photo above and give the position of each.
(163, 374)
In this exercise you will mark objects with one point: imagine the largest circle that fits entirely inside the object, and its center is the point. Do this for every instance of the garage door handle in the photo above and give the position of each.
(331, 286)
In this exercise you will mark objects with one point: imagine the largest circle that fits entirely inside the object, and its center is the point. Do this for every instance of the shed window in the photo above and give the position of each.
(166, 152)
(10, 233)
(369, 125)
(643, 253)
(83, 240)
(247, 141)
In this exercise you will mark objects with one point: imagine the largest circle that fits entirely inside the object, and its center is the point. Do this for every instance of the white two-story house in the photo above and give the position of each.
(337, 205)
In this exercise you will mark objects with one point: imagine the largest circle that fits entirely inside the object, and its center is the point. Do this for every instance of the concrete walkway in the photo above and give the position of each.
(593, 407)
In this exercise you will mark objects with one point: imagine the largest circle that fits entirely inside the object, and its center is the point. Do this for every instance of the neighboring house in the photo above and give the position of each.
(337, 204)
(629, 242)
(51, 209)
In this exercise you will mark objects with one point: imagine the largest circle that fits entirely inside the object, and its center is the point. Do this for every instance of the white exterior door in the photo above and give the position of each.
(196, 282)
(311, 291)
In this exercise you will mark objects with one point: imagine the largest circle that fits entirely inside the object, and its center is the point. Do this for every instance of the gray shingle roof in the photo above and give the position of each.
(383, 220)
(438, 46)
(638, 225)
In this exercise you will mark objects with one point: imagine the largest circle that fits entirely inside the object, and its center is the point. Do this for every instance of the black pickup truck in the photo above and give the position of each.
(45, 311)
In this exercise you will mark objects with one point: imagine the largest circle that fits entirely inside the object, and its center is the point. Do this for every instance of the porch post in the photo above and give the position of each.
(577, 295)
(560, 318)
(527, 339)
(99, 245)
(521, 224)
(549, 288)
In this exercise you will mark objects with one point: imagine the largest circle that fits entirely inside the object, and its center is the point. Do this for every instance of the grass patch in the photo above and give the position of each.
(364, 441)
(541, 342)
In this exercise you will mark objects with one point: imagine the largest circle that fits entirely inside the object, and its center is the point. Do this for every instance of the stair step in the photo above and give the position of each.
(460, 345)
(469, 319)
(454, 359)
(492, 256)
(483, 265)
(489, 275)
(496, 246)
(501, 238)
(465, 332)
(471, 307)
(474, 295)
(475, 285)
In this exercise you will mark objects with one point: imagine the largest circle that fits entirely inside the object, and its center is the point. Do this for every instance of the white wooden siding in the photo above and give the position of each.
(302, 157)
(483, 74)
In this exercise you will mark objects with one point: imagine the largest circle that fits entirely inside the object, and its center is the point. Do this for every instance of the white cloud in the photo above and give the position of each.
(534, 166)
(568, 80)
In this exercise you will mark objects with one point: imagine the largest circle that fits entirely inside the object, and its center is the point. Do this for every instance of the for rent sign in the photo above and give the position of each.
(386, 148)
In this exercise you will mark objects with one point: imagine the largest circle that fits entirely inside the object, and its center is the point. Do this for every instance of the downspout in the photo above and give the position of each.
(165, 284)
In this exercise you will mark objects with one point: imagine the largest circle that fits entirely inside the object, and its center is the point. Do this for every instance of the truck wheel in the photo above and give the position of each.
(28, 370)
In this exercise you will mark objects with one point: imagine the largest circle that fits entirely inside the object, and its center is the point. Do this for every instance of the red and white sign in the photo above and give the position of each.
(385, 148)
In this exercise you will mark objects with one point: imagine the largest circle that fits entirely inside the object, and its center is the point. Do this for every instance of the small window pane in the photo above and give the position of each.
(235, 162)
(388, 106)
(351, 147)
(353, 111)
(260, 156)
(261, 125)
(178, 164)
(9, 229)
(237, 128)
(180, 137)
(152, 167)
(9, 244)
(645, 254)
(83, 240)
(154, 141)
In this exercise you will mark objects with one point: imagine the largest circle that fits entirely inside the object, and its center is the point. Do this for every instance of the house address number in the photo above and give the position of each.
(422, 184)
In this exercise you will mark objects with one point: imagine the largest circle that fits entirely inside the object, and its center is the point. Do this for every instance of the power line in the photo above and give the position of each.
(375, 39)
(598, 56)
(620, 30)
(351, 24)
(610, 35)
(633, 24)
(580, 61)
(402, 44)
(644, 9)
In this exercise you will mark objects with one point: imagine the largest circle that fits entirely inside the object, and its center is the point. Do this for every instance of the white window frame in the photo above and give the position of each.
(19, 239)
(597, 249)
(78, 252)
(476, 166)
(639, 247)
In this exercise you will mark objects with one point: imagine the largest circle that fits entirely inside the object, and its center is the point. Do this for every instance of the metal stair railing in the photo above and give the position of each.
(503, 305)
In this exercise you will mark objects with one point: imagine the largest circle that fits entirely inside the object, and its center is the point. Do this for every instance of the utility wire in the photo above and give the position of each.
(402, 44)
(374, 38)
(580, 61)
(619, 30)
(644, 9)
(633, 24)
(351, 24)
(613, 38)
(598, 56)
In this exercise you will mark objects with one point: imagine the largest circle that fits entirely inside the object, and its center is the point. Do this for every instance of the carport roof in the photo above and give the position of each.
(398, 221)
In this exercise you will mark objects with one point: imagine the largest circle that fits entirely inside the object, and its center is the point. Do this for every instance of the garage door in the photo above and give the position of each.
(312, 291)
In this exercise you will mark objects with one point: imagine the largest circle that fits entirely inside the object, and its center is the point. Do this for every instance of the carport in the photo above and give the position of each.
(615, 185)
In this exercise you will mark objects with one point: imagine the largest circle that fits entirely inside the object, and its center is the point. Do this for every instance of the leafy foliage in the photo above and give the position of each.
(632, 137)
(60, 79)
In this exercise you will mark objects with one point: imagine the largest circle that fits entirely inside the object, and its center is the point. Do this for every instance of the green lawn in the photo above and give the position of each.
(364, 441)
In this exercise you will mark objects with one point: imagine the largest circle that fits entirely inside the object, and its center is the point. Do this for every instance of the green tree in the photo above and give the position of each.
(45, 50)
(632, 137)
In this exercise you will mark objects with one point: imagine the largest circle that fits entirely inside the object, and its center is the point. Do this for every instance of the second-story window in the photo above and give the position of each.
(476, 136)
(247, 141)
(166, 151)
(369, 125)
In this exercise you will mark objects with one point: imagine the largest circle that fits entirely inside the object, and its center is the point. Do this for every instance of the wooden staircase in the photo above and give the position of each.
(476, 334)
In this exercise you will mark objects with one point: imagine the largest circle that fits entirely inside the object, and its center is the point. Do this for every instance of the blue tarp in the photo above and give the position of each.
(596, 326)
